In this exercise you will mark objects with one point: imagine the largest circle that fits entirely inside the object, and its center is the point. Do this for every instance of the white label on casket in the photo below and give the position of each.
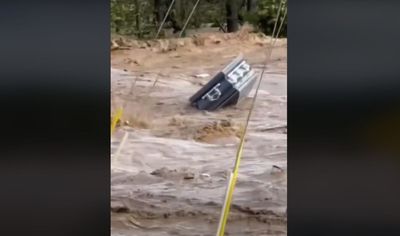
(235, 77)
(213, 94)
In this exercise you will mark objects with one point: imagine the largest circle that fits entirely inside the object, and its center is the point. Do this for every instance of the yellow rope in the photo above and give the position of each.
(115, 119)
(235, 172)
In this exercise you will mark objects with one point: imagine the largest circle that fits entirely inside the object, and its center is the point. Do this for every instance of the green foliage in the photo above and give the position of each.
(265, 17)
(124, 15)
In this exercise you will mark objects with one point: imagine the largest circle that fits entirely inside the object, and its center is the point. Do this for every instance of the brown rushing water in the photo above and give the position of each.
(170, 180)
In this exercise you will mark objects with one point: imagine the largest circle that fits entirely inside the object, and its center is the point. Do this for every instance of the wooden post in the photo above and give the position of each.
(232, 15)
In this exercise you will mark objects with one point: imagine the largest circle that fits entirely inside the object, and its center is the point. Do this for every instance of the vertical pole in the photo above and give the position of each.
(188, 19)
(165, 18)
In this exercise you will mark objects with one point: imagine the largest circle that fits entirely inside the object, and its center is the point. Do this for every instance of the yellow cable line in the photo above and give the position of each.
(233, 176)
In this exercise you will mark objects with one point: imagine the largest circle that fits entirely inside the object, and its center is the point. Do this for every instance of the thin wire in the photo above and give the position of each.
(188, 19)
(280, 26)
(152, 87)
(272, 42)
(133, 86)
(277, 19)
(165, 18)
(234, 174)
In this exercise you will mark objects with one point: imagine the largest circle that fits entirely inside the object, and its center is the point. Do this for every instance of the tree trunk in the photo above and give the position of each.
(252, 6)
(172, 17)
(137, 13)
(232, 15)
(158, 13)
(178, 10)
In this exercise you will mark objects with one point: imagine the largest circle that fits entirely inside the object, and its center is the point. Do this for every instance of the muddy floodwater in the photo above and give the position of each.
(170, 176)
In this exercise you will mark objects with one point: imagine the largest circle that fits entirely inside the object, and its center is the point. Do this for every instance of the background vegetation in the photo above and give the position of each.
(142, 17)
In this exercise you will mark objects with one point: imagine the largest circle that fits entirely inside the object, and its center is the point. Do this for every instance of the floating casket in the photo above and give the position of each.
(228, 87)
